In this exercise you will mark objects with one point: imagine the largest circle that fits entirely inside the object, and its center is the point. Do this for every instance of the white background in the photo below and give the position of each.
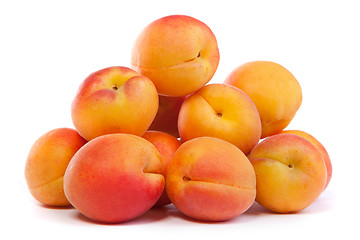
(48, 48)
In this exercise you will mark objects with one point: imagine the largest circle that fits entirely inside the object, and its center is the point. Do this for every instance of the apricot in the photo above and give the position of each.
(221, 111)
(46, 164)
(166, 119)
(210, 179)
(274, 90)
(167, 145)
(114, 178)
(290, 173)
(320, 147)
(178, 53)
(114, 100)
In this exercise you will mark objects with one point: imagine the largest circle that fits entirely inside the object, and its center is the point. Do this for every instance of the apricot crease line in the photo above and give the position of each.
(222, 184)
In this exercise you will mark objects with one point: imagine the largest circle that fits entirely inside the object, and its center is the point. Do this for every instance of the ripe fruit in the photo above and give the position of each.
(46, 164)
(114, 178)
(114, 100)
(178, 53)
(166, 119)
(290, 173)
(319, 146)
(167, 145)
(210, 179)
(221, 111)
(274, 90)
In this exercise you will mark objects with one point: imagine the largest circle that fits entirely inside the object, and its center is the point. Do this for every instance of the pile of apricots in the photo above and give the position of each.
(157, 133)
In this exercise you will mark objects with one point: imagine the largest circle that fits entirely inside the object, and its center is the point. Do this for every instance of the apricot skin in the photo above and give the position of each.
(178, 53)
(46, 164)
(167, 146)
(290, 173)
(320, 147)
(114, 100)
(221, 111)
(210, 179)
(114, 178)
(274, 90)
(166, 119)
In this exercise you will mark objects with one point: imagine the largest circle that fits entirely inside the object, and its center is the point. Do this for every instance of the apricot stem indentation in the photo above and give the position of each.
(186, 179)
